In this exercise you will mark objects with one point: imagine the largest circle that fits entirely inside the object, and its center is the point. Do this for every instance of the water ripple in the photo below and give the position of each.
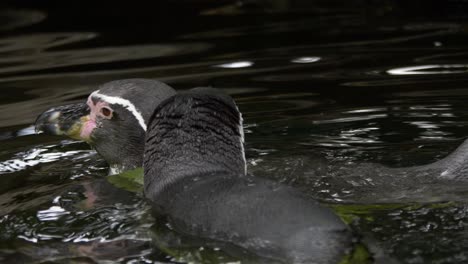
(430, 69)
(17, 47)
(17, 18)
(40, 155)
(57, 59)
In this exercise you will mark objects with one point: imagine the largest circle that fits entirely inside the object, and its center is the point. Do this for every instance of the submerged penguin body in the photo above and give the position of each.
(260, 216)
(195, 175)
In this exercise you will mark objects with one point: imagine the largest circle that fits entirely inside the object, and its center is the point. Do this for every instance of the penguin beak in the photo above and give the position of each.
(71, 120)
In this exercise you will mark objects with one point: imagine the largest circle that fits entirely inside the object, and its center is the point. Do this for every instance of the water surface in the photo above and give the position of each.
(322, 87)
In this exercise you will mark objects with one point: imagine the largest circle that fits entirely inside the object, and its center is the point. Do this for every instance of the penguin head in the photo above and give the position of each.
(113, 119)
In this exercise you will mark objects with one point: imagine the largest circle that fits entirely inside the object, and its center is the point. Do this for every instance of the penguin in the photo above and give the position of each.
(113, 120)
(195, 175)
(192, 152)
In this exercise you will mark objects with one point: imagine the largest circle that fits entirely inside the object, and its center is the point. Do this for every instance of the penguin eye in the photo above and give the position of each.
(106, 112)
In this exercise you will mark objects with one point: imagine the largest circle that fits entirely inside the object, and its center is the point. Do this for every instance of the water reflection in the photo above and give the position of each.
(305, 59)
(430, 69)
(55, 59)
(234, 65)
(51, 214)
(15, 48)
(33, 157)
(16, 18)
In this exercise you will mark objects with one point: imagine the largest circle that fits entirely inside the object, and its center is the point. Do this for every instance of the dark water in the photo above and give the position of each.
(320, 84)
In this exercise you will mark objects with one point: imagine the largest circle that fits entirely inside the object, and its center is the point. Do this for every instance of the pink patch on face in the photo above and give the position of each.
(96, 109)
(87, 128)
(90, 122)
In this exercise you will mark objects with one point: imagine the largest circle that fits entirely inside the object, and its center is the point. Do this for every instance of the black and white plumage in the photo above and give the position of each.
(132, 102)
(113, 120)
(195, 175)
(195, 169)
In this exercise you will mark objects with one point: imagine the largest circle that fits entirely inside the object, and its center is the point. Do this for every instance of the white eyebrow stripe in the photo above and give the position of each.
(123, 102)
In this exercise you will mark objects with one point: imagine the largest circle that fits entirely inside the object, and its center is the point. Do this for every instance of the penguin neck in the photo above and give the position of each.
(124, 156)
(192, 142)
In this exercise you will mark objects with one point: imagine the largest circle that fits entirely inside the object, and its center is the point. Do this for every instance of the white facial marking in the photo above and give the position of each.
(124, 103)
